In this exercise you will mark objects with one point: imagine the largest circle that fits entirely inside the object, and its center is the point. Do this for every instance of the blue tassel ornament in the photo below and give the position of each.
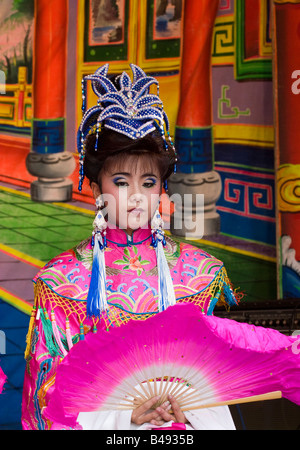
(166, 294)
(165, 283)
(97, 300)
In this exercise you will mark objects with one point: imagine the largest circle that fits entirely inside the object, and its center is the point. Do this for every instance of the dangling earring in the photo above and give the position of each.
(157, 225)
(166, 295)
(97, 299)
(99, 202)
(99, 223)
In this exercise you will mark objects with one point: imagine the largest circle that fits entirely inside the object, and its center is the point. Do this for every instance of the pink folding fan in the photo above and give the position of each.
(2, 379)
(201, 360)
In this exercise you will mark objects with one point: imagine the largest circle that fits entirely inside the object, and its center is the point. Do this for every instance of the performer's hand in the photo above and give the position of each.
(144, 413)
(177, 416)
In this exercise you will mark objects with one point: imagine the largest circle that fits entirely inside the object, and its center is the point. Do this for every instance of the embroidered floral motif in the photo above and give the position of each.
(132, 262)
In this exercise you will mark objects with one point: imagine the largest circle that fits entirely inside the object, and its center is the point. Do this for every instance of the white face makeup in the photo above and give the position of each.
(130, 194)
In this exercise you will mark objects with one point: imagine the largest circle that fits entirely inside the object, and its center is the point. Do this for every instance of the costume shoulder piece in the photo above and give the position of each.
(68, 274)
(132, 276)
(203, 279)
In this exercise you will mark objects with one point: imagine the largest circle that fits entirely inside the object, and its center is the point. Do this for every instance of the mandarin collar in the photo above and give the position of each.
(118, 236)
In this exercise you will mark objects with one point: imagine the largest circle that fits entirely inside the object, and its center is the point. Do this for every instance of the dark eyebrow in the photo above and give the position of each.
(121, 173)
(149, 175)
(145, 175)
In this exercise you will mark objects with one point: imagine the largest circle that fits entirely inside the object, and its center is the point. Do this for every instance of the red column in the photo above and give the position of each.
(195, 87)
(48, 160)
(193, 131)
(50, 47)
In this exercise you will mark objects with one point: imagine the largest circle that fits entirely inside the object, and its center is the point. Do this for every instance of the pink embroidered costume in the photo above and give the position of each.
(59, 318)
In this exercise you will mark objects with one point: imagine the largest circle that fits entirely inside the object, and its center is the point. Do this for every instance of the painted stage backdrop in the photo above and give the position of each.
(229, 76)
(230, 83)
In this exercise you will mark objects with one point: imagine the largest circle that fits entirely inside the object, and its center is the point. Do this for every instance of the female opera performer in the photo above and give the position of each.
(127, 155)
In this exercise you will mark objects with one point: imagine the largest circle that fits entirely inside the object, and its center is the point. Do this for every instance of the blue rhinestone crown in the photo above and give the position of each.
(130, 110)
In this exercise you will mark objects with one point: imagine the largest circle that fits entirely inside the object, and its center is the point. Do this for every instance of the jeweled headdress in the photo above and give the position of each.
(129, 109)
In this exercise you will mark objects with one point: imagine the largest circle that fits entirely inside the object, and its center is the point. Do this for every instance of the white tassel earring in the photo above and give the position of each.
(99, 223)
(165, 283)
(97, 300)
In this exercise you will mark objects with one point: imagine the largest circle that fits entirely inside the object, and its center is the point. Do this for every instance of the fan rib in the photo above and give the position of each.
(255, 398)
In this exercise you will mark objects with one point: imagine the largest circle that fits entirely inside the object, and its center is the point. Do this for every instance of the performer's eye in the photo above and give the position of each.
(120, 182)
(149, 183)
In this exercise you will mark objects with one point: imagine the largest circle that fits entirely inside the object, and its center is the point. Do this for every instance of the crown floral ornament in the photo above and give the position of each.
(130, 110)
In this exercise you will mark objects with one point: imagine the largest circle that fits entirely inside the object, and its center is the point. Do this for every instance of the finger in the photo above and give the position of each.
(138, 414)
(159, 416)
(166, 416)
(178, 414)
(156, 415)
(166, 405)
(152, 416)
(147, 405)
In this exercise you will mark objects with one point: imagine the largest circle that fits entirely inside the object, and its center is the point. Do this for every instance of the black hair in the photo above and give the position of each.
(114, 147)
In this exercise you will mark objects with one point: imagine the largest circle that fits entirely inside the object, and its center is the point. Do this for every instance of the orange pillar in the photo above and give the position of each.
(49, 83)
(48, 159)
(193, 128)
(196, 185)
(49, 78)
(195, 100)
